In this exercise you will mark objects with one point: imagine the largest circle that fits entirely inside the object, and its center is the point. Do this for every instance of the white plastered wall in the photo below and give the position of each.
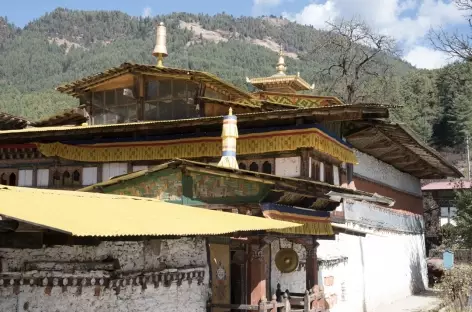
(379, 269)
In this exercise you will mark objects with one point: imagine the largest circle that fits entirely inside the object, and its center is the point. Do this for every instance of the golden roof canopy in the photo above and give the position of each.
(281, 82)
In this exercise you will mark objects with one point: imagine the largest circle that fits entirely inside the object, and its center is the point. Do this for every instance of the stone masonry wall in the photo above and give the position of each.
(378, 171)
(156, 275)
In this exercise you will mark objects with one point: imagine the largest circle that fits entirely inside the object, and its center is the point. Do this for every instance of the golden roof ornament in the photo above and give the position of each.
(281, 82)
(281, 68)
(160, 49)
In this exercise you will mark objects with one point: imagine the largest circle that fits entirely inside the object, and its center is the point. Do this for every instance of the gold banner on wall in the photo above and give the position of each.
(258, 143)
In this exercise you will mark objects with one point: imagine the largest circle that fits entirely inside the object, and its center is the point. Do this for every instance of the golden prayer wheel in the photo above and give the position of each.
(286, 260)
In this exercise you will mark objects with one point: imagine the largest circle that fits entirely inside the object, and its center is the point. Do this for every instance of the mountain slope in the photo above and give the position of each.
(65, 45)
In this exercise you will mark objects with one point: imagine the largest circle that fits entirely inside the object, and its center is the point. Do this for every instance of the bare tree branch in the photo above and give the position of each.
(360, 55)
(455, 44)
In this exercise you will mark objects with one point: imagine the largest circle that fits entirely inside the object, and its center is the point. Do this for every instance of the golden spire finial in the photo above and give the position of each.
(281, 68)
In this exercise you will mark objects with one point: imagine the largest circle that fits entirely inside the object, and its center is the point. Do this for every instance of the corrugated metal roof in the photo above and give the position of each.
(92, 214)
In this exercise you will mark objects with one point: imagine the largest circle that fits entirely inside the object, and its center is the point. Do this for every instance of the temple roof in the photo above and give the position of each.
(71, 116)
(400, 147)
(285, 82)
(204, 124)
(10, 122)
(298, 191)
(80, 86)
(281, 81)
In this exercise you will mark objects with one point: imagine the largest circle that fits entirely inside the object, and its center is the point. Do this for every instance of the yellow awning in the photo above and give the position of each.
(92, 214)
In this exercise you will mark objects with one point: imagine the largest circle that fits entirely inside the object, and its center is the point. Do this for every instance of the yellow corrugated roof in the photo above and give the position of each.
(92, 214)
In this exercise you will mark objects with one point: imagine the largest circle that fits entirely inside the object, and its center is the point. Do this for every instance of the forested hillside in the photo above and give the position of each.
(65, 45)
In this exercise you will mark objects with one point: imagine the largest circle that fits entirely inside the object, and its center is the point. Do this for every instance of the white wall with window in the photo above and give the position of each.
(89, 175)
(25, 177)
(111, 170)
(447, 215)
(42, 177)
(288, 167)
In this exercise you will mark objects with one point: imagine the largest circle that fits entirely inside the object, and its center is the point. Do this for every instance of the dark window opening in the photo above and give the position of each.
(329, 177)
(76, 177)
(56, 178)
(66, 178)
(170, 99)
(254, 167)
(114, 106)
(267, 167)
(12, 179)
(315, 170)
(242, 166)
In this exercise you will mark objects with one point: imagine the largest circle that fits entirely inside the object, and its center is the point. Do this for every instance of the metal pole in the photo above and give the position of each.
(468, 157)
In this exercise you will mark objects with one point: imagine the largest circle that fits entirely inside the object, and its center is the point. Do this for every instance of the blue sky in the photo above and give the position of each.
(408, 21)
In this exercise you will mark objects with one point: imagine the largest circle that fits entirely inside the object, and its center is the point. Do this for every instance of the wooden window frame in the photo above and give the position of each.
(105, 106)
(7, 174)
(259, 162)
(173, 98)
(61, 170)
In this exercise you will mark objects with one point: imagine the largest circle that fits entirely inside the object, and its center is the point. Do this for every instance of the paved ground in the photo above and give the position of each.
(424, 302)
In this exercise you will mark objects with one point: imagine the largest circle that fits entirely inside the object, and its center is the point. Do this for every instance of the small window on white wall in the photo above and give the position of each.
(139, 168)
(42, 179)
(288, 167)
(445, 212)
(25, 177)
(113, 169)
(335, 175)
(89, 175)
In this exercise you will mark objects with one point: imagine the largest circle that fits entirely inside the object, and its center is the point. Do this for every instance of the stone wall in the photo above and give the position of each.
(156, 275)
(375, 170)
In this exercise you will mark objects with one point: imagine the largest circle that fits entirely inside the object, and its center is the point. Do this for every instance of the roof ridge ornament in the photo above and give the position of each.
(160, 49)
(281, 68)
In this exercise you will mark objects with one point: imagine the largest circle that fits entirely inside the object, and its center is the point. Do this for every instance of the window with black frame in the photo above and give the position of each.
(114, 106)
(170, 99)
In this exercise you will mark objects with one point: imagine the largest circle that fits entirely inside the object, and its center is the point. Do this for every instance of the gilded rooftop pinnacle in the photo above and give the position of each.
(281, 68)
(280, 82)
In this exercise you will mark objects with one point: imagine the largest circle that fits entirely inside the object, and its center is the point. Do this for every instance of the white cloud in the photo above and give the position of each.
(423, 57)
(147, 12)
(315, 14)
(406, 20)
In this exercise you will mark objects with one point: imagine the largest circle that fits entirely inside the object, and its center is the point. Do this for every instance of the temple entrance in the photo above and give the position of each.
(238, 277)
